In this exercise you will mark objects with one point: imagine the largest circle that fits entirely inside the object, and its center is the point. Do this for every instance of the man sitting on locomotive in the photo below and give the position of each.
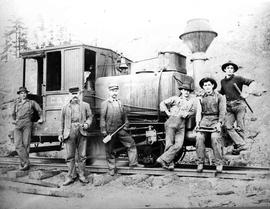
(210, 116)
(180, 108)
(76, 118)
(112, 117)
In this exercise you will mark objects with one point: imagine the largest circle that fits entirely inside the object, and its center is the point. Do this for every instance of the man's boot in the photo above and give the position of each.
(83, 179)
(137, 166)
(21, 166)
(171, 166)
(25, 167)
(81, 171)
(68, 181)
(242, 148)
(239, 148)
(200, 168)
(162, 163)
(219, 168)
(112, 172)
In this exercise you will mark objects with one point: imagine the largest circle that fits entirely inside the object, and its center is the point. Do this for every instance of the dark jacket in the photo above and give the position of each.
(228, 89)
(23, 112)
(86, 117)
(107, 120)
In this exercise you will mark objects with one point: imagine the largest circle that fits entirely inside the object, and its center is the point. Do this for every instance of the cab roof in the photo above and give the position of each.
(41, 52)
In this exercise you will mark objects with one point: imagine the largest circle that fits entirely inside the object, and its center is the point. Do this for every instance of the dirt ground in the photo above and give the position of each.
(140, 191)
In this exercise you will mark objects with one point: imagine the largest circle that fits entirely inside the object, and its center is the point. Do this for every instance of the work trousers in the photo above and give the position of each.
(175, 133)
(22, 139)
(128, 142)
(215, 143)
(75, 142)
(236, 111)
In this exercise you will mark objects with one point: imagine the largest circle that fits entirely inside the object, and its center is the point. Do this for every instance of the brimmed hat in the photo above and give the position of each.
(235, 66)
(113, 86)
(22, 89)
(74, 90)
(206, 79)
(185, 86)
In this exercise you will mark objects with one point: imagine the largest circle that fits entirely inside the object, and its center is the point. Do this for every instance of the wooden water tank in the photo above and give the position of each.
(172, 61)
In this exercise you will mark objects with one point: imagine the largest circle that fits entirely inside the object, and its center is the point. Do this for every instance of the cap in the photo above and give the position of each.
(21, 89)
(113, 86)
(74, 90)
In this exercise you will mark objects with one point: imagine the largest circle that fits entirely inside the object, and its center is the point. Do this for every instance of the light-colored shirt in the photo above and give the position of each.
(178, 105)
(75, 112)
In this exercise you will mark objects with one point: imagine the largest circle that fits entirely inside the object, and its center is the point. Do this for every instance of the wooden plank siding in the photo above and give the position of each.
(73, 69)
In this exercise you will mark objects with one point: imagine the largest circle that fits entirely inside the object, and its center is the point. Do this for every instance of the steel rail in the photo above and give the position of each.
(48, 160)
(57, 163)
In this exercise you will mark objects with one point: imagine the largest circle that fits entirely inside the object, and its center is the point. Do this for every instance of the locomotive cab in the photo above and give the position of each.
(49, 73)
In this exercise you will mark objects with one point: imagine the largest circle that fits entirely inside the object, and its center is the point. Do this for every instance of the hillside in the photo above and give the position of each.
(247, 43)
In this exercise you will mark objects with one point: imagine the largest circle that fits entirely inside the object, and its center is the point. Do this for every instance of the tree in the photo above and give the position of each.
(52, 35)
(15, 39)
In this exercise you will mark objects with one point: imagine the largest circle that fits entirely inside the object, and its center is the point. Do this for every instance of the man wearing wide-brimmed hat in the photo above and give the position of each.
(112, 117)
(178, 108)
(210, 116)
(22, 114)
(76, 118)
(236, 107)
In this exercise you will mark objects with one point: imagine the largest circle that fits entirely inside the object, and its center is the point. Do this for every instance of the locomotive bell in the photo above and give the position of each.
(123, 65)
(198, 35)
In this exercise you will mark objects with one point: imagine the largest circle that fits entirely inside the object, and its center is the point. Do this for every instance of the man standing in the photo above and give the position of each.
(22, 114)
(236, 108)
(209, 119)
(180, 108)
(76, 118)
(112, 117)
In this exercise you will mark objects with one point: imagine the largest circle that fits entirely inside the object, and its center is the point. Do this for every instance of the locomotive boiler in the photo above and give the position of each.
(50, 72)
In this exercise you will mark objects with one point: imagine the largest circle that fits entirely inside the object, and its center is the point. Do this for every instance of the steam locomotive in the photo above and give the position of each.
(143, 85)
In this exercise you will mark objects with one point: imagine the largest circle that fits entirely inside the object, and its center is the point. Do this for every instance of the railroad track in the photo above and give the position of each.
(181, 170)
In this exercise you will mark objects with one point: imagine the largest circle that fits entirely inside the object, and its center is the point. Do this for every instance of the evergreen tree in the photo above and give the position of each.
(15, 39)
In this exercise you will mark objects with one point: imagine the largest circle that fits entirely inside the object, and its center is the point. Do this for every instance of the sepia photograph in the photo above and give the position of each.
(128, 104)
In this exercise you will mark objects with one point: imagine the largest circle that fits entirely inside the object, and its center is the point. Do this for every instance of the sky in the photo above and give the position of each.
(138, 28)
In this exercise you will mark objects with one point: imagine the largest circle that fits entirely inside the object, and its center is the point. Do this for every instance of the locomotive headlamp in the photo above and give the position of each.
(198, 35)
(151, 135)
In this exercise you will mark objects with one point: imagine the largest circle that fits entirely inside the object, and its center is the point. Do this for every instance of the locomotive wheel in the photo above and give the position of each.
(149, 154)
(158, 150)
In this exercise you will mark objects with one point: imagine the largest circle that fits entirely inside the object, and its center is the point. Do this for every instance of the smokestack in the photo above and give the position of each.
(198, 36)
